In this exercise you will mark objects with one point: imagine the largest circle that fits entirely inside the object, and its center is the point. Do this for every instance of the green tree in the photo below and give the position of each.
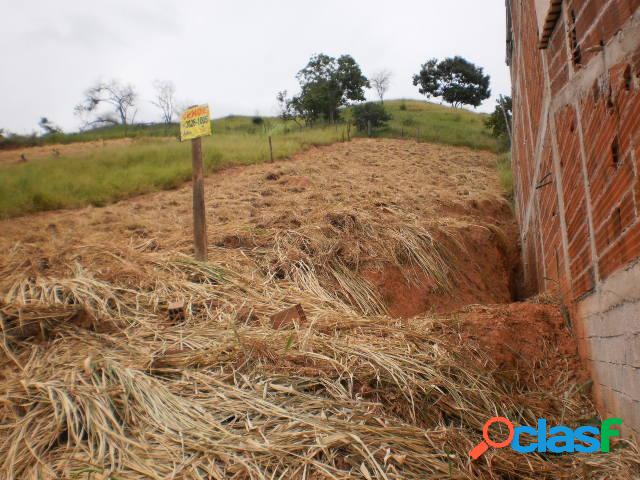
(370, 112)
(499, 122)
(455, 80)
(326, 85)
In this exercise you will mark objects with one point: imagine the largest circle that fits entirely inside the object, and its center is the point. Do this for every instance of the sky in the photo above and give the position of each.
(235, 55)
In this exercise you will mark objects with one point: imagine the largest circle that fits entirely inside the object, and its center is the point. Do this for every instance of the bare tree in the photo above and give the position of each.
(286, 107)
(165, 99)
(122, 98)
(380, 82)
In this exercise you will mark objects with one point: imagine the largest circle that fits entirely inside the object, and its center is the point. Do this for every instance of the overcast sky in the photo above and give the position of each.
(235, 55)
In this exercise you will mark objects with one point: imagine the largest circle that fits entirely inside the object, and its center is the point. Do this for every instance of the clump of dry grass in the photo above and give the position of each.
(326, 256)
(343, 396)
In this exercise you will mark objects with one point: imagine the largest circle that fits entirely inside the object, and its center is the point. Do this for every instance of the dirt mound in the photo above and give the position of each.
(529, 343)
(485, 273)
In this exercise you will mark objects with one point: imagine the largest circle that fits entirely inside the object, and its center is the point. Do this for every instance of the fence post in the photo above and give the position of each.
(199, 219)
(369, 128)
(270, 149)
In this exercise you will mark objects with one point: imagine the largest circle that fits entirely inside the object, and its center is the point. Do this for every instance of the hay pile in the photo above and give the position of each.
(99, 381)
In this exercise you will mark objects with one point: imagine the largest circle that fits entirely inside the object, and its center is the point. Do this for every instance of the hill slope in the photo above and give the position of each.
(79, 174)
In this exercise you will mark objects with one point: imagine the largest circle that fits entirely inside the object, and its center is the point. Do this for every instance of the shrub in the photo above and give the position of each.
(500, 121)
(506, 175)
(403, 106)
(370, 112)
(257, 120)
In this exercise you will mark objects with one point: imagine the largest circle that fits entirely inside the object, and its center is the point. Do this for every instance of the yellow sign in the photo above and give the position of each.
(195, 122)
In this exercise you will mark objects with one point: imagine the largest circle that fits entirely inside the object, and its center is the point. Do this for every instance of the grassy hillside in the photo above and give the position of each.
(237, 123)
(156, 161)
(114, 173)
(438, 124)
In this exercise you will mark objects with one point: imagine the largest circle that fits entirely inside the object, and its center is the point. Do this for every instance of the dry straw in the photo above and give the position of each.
(127, 394)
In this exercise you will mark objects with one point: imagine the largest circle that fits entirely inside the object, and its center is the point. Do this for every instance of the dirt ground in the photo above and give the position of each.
(53, 151)
(403, 256)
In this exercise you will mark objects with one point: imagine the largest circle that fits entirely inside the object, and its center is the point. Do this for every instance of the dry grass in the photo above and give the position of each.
(100, 383)
(218, 397)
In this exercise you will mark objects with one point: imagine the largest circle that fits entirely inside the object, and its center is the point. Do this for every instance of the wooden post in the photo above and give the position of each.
(402, 133)
(369, 128)
(270, 149)
(199, 218)
(349, 132)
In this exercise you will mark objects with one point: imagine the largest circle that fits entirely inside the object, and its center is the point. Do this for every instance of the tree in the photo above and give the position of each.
(326, 85)
(165, 99)
(370, 113)
(499, 122)
(48, 126)
(380, 82)
(121, 98)
(456, 80)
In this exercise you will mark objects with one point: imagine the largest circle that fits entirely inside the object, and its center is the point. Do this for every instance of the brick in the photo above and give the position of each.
(612, 350)
(583, 284)
(601, 372)
(630, 382)
(632, 350)
(581, 262)
(620, 218)
(290, 316)
(578, 241)
(585, 18)
(622, 253)
(611, 21)
(616, 191)
(630, 124)
(575, 216)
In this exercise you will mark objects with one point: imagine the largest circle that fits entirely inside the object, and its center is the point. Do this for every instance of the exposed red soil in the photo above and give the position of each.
(528, 342)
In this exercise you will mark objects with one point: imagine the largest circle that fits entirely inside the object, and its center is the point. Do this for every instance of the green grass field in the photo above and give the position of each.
(151, 163)
(438, 124)
(114, 173)
(236, 123)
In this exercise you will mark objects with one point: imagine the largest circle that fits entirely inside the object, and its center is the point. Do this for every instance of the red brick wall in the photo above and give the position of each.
(575, 153)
